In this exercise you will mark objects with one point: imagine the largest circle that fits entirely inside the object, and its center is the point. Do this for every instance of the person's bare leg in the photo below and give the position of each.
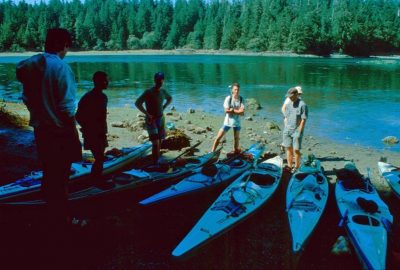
(155, 151)
(297, 156)
(289, 156)
(236, 138)
(221, 134)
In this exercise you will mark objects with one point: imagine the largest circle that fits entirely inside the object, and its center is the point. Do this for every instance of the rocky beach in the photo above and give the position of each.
(142, 238)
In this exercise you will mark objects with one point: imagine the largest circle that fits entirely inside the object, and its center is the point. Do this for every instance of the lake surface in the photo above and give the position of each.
(351, 100)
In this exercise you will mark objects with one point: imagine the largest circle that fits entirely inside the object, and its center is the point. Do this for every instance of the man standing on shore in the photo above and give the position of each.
(234, 108)
(295, 114)
(92, 117)
(154, 98)
(49, 91)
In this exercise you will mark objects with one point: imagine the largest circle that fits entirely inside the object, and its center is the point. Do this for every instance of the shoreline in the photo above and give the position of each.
(193, 52)
(125, 130)
(143, 242)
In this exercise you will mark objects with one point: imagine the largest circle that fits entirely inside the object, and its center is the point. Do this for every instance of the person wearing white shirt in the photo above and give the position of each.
(234, 109)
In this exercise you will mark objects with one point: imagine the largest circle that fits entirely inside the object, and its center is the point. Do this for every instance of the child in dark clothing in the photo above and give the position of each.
(92, 117)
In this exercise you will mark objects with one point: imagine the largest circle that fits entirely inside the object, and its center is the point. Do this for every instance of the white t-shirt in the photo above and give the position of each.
(287, 100)
(232, 120)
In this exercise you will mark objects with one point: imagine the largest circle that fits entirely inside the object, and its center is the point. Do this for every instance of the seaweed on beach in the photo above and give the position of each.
(175, 140)
(11, 119)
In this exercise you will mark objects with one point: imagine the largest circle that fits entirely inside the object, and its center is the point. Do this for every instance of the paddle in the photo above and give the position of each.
(184, 152)
(176, 158)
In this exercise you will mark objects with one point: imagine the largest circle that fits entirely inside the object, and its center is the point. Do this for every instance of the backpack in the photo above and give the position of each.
(230, 101)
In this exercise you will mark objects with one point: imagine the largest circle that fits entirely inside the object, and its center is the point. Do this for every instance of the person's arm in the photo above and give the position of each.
(139, 104)
(304, 116)
(239, 111)
(105, 114)
(79, 115)
(67, 93)
(227, 108)
(301, 125)
(283, 109)
(169, 100)
(285, 103)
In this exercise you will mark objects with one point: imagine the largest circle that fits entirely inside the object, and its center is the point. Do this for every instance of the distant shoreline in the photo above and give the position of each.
(188, 52)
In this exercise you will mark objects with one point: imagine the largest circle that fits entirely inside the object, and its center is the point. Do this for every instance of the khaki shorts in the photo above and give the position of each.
(292, 138)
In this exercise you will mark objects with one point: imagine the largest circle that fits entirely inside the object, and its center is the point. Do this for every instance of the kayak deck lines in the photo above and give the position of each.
(365, 216)
(306, 199)
(249, 192)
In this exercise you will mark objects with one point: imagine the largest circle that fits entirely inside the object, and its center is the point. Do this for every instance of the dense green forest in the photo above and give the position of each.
(354, 27)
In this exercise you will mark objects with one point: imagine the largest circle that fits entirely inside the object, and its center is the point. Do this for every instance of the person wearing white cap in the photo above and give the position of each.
(283, 109)
(287, 100)
(296, 114)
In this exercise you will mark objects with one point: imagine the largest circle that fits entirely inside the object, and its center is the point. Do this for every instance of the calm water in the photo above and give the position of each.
(354, 101)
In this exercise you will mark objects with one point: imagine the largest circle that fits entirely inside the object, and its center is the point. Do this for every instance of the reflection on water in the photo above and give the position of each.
(350, 100)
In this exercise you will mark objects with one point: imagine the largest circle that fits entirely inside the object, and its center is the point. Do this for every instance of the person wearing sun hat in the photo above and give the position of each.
(296, 114)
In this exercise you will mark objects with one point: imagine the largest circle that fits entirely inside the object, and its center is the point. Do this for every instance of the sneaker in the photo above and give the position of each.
(287, 168)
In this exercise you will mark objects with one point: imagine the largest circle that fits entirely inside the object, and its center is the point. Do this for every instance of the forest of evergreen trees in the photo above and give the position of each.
(353, 27)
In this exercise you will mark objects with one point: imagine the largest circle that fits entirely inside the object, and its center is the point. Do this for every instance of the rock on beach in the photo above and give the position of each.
(390, 140)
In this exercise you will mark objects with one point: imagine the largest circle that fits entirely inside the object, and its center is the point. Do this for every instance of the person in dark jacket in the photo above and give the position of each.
(49, 91)
(92, 117)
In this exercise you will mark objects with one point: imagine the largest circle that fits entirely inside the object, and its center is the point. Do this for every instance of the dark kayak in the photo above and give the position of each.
(135, 178)
(29, 186)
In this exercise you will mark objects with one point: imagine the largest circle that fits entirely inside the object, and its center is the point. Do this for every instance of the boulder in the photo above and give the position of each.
(199, 130)
(10, 118)
(190, 128)
(137, 126)
(273, 126)
(118, 124)
(175, 118)
(252, 104)
(142, 138)
(112, 137)
(390, 140)
(191, 110)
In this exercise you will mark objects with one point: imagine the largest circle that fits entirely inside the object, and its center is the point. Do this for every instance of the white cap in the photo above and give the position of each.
(299, 90)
